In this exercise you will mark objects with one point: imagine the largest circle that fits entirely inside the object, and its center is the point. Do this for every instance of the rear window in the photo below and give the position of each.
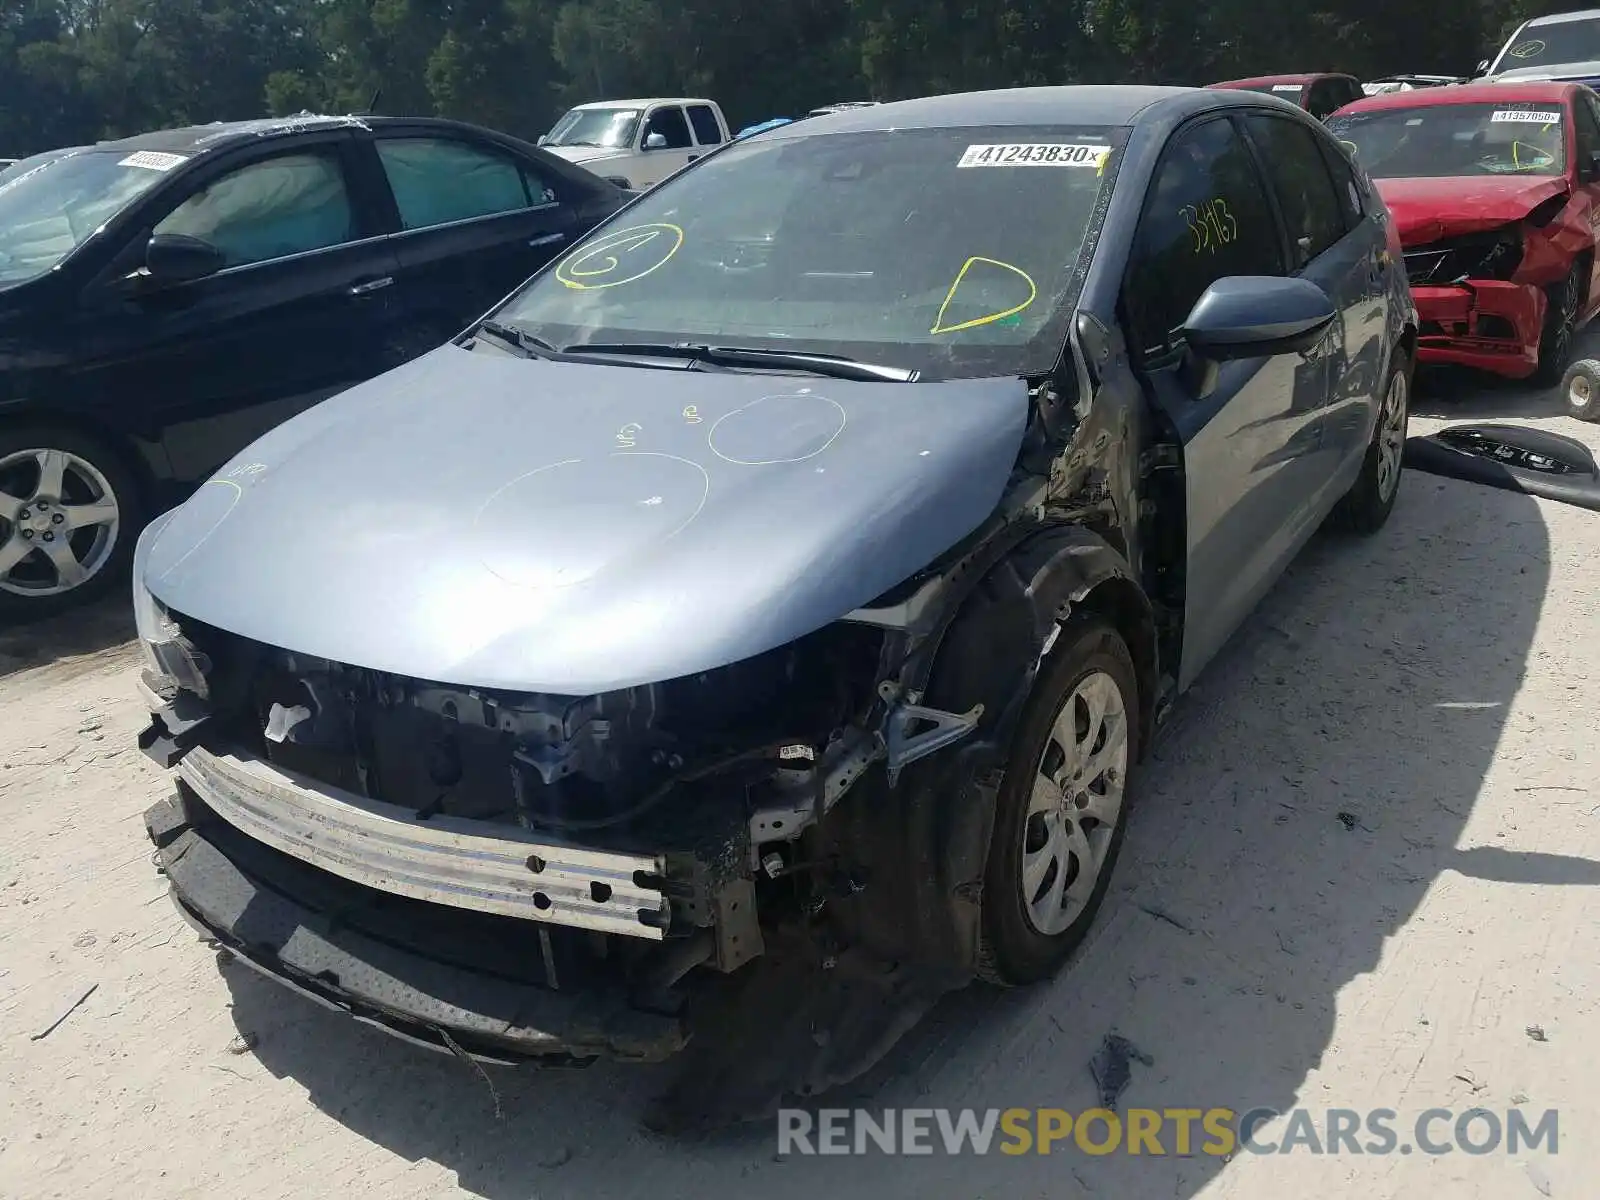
(1436, 140)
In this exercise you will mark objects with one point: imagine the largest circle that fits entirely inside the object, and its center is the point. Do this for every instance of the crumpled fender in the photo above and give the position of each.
(918, 851)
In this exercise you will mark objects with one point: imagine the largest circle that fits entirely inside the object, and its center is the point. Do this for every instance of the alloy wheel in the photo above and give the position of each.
(1077, 797)
(59, 522)
(1391, 436)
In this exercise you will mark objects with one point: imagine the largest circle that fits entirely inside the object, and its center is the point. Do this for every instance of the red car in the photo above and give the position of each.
(1494, 189)
(1319, 94)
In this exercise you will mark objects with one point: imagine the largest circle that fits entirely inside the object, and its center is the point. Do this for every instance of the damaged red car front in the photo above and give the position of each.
(1494, 190)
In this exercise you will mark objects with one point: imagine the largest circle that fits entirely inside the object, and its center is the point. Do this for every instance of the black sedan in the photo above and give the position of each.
(166, 299)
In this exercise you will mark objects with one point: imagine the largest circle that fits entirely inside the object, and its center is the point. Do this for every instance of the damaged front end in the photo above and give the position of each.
(518, 875)
(1482, 296)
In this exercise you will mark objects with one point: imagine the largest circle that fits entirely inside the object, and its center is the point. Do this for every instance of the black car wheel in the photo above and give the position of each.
(1560, 323)
(69, 514)
(1367, 505)
(1062, 805)
(1581, 387)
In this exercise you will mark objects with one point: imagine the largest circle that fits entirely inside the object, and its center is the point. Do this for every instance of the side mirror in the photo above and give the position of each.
(544, 140)
(1253, 316)
(1483, 67)
(655, 141)
(173, 258)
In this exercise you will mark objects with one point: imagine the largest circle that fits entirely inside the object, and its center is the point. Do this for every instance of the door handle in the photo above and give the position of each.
(371, 285)
(692, 157)
(547, 239)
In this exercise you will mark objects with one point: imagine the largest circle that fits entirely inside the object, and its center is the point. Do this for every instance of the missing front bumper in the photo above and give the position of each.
(444, 979)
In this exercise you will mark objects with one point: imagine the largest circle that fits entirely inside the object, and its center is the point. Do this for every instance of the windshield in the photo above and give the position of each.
(1550, 45)
(50, 208)
(613, 127)
(950, 251)
(1430, 141)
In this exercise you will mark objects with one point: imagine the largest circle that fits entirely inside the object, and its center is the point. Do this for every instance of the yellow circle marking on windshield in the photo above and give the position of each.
(1349, 145)
(938, 321)
(629, 254)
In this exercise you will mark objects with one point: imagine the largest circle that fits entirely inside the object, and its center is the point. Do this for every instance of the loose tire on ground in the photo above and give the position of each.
(1581, 389)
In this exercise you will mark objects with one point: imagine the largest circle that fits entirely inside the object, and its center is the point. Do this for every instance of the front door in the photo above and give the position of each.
(1250, 442)
(299, 312)
(475, 223)
(674, 151)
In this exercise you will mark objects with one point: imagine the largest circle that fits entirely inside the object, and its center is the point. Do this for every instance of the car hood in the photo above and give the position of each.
(485, 520)
(585, 154)
(1425, 210)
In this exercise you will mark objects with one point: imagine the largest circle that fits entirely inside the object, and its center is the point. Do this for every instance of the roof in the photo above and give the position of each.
(1467, 93)
(197, 139)
(1588, 14)
(1303, 80)
(644, 103)
(1076, 105)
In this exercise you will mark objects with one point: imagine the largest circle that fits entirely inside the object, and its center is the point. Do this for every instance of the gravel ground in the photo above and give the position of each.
(1361, 870)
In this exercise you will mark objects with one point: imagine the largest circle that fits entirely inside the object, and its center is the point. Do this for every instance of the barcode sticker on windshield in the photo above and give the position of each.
(1542, 116)
(1034, 154)
(153, 160)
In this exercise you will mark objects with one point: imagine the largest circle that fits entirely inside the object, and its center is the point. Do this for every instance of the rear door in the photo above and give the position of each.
(1341, 253)
(475, 220)
(677, 148)
(1249, 442)
(299, 312)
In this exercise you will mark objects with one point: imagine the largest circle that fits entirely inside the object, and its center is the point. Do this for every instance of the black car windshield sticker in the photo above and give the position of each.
(1034, 154)
(621, 256)
(993, 288)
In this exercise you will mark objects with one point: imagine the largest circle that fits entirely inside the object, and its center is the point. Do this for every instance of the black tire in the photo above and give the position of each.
(1560, 324)
(105, 568)
(1581, 388)
(1365, 508)
(1014, 951)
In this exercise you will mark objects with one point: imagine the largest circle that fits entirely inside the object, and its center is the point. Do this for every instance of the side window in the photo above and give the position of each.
(1586, 128)
(706, 130)
(669, 123)
(1345, 184)
(1206, 216)
(270, 209)
(1301, 182)
(439, 180)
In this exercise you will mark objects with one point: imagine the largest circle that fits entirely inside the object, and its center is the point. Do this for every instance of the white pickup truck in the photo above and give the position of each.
(640, 141)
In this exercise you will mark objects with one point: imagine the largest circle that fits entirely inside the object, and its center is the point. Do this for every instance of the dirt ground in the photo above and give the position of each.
(1363, 867)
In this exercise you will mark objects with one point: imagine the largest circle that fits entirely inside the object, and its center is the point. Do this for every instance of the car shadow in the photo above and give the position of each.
(1460, 394)
(1304, 797)
(96, 627)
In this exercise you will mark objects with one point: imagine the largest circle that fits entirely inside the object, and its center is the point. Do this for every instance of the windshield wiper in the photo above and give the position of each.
(831, 365)
(530, 345)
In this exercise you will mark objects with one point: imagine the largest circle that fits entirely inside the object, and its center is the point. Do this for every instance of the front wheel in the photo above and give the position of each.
(1367, 505)
(69, 513)
(1560, 325)
(1062, 806)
